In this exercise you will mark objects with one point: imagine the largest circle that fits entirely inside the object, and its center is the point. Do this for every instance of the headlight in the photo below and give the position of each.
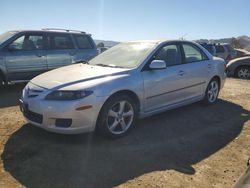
(67, 95)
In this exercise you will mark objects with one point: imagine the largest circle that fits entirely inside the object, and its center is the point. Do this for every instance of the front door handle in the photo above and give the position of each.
(209, 66)
(181, 73)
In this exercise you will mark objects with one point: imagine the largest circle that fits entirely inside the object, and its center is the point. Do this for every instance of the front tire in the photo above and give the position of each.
(212, 92)
(117, 116)
(243, 72)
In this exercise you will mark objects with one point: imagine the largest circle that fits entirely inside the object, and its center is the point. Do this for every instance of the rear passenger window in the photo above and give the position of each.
(170, 54)
(61, 41)
(82, 42)
(193, 53)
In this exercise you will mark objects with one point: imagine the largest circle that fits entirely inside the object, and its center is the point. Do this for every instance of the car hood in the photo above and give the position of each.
(239, 60)
(74, 74)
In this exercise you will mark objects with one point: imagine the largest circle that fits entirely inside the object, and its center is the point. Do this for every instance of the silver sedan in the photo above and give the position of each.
(131, 80)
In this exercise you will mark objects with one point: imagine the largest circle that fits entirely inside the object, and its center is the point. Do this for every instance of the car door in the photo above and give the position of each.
(164, 87)
(26, 57)
(196, 67)
(61, 49)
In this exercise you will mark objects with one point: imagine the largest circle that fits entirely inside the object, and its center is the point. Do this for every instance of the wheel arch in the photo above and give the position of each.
(130, 93)
(217, 78)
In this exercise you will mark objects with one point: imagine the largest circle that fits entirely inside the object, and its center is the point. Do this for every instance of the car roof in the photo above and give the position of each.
(51, 31)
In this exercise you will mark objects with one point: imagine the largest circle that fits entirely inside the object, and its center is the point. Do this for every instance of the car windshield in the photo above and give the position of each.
(124, 55)
(6, 36)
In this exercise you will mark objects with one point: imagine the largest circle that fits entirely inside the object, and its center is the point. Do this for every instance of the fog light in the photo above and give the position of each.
(63, 123)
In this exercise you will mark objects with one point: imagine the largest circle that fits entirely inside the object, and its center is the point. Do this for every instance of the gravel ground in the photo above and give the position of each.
(193, 146)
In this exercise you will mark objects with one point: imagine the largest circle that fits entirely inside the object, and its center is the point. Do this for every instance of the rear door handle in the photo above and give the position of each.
(181, 73)
(209, 66)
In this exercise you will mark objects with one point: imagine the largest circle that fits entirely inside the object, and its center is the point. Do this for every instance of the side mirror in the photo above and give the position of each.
(157, 64)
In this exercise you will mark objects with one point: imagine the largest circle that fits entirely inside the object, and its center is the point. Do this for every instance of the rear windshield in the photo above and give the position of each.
(83, 42)
(6, 36)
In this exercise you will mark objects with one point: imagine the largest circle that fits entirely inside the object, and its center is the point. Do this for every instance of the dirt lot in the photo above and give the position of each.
(194, 146)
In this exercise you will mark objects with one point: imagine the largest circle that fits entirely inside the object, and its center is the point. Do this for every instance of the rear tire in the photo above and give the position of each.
(117, 116)
(212, 92)
(243, 72)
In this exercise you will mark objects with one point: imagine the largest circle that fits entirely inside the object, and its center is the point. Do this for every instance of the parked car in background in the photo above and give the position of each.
(28, 53)
(242, 53)
(129, 80)
(209, 47)
(225, 51)
(239, 67)
(244, 181)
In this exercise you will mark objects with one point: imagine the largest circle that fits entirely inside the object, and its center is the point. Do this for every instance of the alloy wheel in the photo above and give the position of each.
(244, 73)
(213, 90)
(120, 117)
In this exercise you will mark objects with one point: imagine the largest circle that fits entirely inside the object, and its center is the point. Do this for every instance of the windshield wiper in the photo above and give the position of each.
(84, 62)
(102, 65)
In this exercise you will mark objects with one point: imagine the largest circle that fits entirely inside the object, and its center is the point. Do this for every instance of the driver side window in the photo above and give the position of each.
(17, 44)
(170, 54)
(27, 43)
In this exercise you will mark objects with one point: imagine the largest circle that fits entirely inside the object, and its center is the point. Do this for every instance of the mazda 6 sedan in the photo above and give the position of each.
(130, 80)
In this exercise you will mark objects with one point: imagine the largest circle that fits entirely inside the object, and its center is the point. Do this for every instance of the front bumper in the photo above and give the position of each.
(45, 114)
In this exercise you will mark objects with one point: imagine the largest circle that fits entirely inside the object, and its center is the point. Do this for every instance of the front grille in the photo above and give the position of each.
(32, 116)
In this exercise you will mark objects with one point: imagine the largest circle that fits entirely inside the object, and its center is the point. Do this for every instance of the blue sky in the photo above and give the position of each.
(123, 20)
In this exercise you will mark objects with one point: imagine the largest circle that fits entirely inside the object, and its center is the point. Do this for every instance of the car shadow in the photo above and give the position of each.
(175, 139)
(9, 95)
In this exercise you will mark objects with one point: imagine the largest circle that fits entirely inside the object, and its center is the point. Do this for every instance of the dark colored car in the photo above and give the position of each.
(242, 53)
(28, 53)
(209, 47)
(239, 67)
